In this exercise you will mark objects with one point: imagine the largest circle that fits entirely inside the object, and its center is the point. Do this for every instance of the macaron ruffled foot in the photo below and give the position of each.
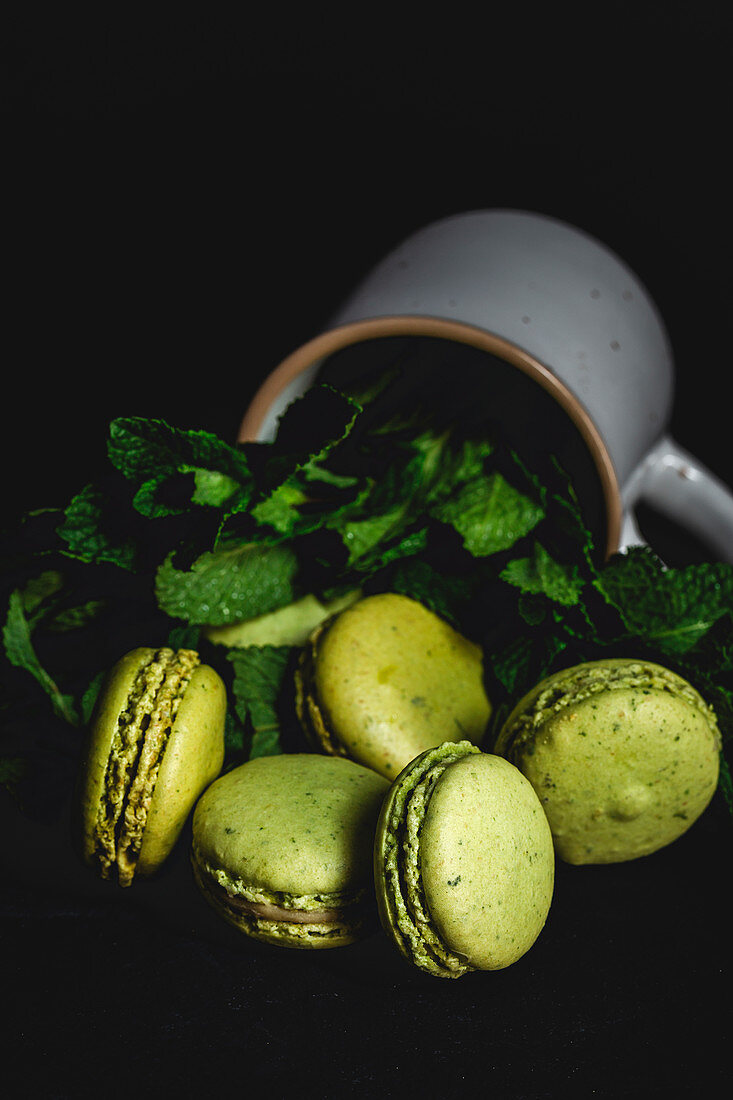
(155, 741)
(463, 862)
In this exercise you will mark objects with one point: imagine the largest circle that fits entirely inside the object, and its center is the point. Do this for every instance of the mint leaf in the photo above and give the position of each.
(310, 429)
(12, 770)
(39, 589)
(540, 574)
(259, 672)
(296, 487)
(20, 651)
(709, 666)
(526, 660)
(445, 594)
(314, 424)
(671, 608)
(362, 537)
(228, 585)
(281, 509)
(297, 490)
(489, 514)
(173, 468)
(374, 554)
(386, 520)
(91, 533)
(449, 463)
(726, 783)
(90, 696)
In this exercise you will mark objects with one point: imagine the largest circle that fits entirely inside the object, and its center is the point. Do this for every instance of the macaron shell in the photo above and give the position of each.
(393, 679)
(112, 701)
(487, 861)
(192, 759)
(298, 824)
(622, 774)
(400, 899)
(289, 625)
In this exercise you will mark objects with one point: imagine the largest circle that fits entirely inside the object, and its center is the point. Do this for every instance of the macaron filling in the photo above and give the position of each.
(265, 911)
(404, 894)
(138, 743)
(286, 916)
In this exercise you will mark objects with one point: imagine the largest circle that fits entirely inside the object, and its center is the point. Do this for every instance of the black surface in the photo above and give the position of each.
(186, 202)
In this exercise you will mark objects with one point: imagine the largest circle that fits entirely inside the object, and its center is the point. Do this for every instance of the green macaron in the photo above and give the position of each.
(623, 753)
(386, 679)
(463, 862)
(155, 741)
(282, 848)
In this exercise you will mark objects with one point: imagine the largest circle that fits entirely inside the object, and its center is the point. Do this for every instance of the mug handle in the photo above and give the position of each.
(684, 490)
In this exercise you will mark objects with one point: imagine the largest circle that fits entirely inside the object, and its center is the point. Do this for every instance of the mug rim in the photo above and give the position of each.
(351, 332)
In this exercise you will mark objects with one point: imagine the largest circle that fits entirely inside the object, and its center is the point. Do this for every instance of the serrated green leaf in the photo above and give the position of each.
(671, 608)
(314, 423)
(236, 737)
(281, 509)
(296, 486)
(19, 650)
(90, 696)
(39, 588)
(174, 468)
(540, 574)
(532, 609)
(525, 660)
(228, 585)
(361, 537)
(489, 514)
(311, 428)
(72, 618)
(445, 594)
(12, 770)
(89, 535)
(259, 672)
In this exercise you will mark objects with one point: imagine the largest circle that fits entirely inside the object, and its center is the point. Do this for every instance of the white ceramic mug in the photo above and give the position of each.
(558, 305)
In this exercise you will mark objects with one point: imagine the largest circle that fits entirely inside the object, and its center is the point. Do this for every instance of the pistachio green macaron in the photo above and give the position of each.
(463, 862)
(282, 848)
(155, 741)
(623, 753)
(386, 679)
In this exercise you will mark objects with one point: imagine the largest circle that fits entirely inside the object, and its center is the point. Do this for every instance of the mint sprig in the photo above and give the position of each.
(20, 651)
(366, 490)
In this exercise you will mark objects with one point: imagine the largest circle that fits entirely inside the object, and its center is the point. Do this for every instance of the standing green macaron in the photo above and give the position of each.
(282, 848)
(155, 741)
(463, 862)
(386, 679)
(623, 753)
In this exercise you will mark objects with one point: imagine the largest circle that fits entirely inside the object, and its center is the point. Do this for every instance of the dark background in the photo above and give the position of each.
(188, 199)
